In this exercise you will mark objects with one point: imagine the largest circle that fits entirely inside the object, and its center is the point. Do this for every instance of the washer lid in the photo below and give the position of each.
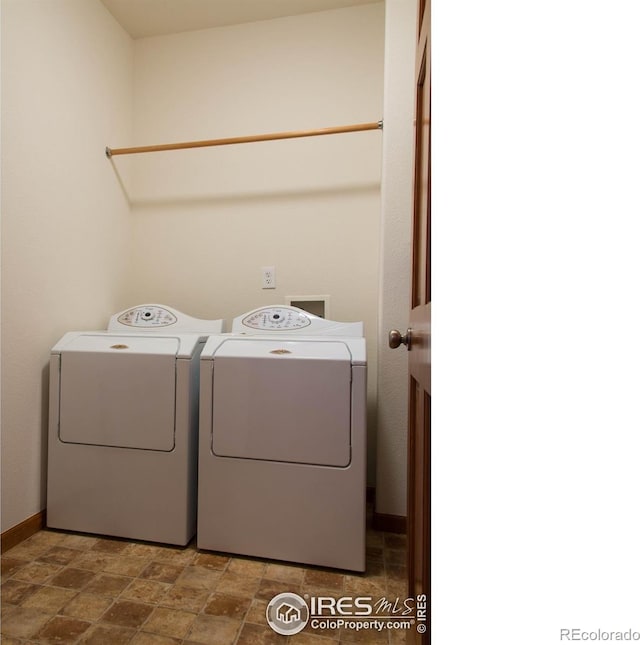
(120, 393)
(113, 343)
(283, 349)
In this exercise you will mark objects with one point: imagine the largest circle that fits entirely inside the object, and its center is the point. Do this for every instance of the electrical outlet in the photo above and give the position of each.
(268, 277)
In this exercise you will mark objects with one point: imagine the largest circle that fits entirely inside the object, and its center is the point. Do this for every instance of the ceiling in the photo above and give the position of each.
(143, 18)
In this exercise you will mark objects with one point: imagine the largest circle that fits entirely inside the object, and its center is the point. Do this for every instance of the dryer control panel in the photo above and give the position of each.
(147, 316)
(274, 318)
(280, 319)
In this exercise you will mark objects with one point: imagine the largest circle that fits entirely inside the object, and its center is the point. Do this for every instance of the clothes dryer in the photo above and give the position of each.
(282, 458)
(123, 416)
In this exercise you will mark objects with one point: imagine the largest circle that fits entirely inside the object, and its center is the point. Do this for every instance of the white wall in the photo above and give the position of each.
(395, 253)
(202, 222)
(206, 220)
(66, 93)
(309, 206)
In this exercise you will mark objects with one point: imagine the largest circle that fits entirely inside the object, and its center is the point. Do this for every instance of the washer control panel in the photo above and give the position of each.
(147, 316)
(275, 318)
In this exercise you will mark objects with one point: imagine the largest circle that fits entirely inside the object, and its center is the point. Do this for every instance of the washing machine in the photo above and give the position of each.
(123, 421)
(282, 457)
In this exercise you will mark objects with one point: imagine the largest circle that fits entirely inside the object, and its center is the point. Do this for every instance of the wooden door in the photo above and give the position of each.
(419, 346)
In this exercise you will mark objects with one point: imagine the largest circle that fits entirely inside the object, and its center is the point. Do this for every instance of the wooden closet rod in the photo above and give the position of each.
(258, 137)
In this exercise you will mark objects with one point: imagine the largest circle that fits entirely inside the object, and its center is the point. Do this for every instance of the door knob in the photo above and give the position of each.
(396, 339)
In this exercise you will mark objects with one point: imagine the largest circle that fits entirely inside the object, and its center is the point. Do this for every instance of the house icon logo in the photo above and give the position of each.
(287, 614)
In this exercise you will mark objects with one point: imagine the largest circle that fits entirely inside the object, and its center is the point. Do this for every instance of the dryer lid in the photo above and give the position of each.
(283, 349)
(290, 407)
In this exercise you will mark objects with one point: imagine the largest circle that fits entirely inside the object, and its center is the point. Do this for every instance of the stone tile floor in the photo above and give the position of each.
(62, 587)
